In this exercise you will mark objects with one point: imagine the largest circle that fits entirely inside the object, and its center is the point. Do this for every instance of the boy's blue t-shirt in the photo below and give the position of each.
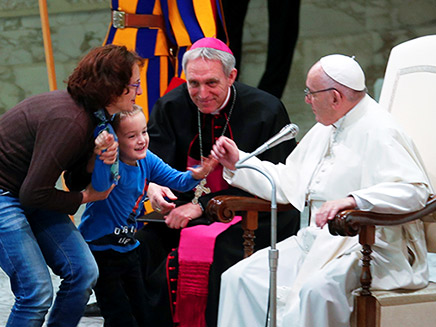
(110, 224)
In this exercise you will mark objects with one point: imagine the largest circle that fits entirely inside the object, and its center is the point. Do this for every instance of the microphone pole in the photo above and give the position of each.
(286, 133)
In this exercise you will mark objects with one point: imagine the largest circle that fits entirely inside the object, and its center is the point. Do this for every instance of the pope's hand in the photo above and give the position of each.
(329, 209)
(226, 152)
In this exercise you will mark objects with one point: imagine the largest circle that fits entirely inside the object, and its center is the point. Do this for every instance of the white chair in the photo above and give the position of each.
(408, 92)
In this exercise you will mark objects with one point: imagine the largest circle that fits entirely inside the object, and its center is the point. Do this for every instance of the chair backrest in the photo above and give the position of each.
(409, 93)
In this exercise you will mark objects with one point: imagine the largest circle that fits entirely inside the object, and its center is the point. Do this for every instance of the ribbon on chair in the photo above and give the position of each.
(196, 250)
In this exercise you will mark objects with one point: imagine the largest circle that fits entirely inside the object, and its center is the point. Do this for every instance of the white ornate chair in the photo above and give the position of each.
(409, 93)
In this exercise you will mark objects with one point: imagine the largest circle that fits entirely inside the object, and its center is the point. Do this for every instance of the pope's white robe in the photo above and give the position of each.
(366, 155)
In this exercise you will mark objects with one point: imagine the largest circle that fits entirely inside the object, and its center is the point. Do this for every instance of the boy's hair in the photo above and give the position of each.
(124, 114)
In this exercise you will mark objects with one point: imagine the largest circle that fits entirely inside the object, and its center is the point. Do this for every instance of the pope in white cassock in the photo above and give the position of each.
(355, 157)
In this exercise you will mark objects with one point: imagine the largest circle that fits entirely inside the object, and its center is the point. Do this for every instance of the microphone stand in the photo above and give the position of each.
(273, 252)
(286, 133)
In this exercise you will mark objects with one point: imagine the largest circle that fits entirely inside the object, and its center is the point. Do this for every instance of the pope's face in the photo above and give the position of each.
(207, 83)
(320, 102)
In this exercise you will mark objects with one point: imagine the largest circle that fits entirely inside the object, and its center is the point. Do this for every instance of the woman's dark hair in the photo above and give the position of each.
(102, 75)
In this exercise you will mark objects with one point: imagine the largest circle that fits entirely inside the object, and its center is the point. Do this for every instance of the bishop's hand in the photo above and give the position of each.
(157, 195)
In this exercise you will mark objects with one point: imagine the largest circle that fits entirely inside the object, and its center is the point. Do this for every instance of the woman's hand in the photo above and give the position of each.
(91, 195)
(106, 147)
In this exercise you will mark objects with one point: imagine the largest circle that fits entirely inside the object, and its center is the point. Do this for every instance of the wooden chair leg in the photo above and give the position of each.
(365, 276)
(248, 242)
(366, 303)
(366, 311)
(249, 225)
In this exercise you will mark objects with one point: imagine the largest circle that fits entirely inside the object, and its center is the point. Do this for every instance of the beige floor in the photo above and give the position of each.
(7, 300)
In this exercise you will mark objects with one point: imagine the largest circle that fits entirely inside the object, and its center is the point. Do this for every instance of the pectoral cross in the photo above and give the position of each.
(199, 190)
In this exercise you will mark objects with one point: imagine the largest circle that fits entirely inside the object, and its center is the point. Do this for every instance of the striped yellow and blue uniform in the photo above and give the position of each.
(185, 21)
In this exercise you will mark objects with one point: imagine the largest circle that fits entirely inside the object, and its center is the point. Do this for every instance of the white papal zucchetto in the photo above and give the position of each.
(344, 70)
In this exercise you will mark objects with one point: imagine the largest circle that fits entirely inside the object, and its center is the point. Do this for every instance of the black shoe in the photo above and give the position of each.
(92, 310)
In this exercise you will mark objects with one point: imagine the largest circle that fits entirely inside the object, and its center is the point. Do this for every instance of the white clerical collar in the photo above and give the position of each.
(216, 112)
(338, 123)
(353, 114)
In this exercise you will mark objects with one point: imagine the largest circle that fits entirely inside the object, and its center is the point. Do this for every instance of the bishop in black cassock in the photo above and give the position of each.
(174, 137)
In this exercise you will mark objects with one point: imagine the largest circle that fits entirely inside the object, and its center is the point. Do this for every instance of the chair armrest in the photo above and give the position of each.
(223, 208)
(349, 222)
(353, 222)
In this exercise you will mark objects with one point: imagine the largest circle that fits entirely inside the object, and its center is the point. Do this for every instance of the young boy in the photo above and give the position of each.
(108, 226)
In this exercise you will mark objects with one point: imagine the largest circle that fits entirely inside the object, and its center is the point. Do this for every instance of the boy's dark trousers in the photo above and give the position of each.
(120, 289)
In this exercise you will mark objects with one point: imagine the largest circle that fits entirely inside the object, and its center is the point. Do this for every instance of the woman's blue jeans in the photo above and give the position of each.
(31, 240)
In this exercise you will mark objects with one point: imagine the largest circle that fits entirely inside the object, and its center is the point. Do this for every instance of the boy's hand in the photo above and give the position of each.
(106, 147)
(208, 165)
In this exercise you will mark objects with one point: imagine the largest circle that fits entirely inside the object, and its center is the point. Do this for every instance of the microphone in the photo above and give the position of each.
(288, 132)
